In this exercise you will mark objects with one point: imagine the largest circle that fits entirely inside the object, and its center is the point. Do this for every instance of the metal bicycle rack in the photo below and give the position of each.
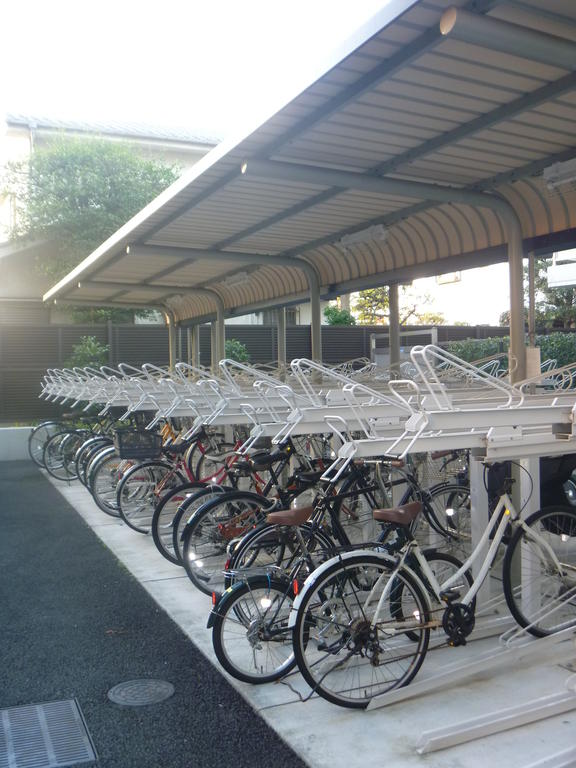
(447, 404)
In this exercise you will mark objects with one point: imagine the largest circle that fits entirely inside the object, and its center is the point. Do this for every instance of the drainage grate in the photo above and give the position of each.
(137, 693)
(44, 736)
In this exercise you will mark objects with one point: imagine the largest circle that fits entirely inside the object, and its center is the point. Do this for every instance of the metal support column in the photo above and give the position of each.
(315, 322)
(517, 344)
(214, 353)
(220, 335)
(193, 345)
(393, 307)
(171, 322)
(281, 330)
(531, 300)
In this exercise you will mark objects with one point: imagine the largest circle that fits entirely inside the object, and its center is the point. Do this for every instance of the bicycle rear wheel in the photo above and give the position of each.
(347, 646)
(539, 571)
(39, 436)
(164, 515)
(140, 489)
(250, 632)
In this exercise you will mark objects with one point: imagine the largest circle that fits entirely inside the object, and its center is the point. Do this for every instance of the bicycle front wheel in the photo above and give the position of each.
(250, 632)
(361, 630)
(212, 530)
(539, 571)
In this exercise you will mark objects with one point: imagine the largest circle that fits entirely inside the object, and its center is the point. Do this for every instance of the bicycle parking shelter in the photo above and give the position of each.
(439, 138)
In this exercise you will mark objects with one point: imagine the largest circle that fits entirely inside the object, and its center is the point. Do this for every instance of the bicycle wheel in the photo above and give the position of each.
(59, 452)
(208, 535)
(38, 437)
(164, 516)
(539, 571)
(250, 632)
(356, 499)
(352, 639)
(445, 522)
(140, 489)
(292, 549)
(104, 474)
(186, 511)
(85, 453)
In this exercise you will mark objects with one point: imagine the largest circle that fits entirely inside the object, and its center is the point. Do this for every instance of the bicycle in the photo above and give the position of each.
(362, 622)
(251, 636)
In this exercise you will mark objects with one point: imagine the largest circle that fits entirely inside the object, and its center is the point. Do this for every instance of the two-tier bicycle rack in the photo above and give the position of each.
(447, 404)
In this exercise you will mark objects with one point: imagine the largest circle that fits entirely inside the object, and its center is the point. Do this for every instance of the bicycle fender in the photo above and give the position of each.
(313, 577)
(221, 600)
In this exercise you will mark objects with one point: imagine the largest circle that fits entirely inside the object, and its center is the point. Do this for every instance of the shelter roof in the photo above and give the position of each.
(124, 129)
(396, 162)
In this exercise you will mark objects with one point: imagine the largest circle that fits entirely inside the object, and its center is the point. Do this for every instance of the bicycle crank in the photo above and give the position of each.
(458, 622)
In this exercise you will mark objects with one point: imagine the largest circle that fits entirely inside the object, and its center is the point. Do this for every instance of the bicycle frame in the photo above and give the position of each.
(498, 524)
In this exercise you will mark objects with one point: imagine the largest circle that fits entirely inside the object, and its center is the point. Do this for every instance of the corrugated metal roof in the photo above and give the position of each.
(402, 102)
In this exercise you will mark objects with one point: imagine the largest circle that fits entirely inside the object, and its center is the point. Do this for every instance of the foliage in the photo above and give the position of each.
(556, 346)
(477, 349)
(88, 351)
(77, 192)
(372, 307)
(336, 316)
(235, 350)
(554, 307)
(101, 315)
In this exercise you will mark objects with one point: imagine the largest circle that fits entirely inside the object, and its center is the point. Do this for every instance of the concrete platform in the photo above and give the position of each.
(326, 736)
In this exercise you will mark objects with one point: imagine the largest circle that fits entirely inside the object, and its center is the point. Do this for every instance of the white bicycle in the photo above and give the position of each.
(362, 621)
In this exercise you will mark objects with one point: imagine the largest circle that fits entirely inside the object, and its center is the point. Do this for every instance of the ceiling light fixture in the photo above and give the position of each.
(560, 173)
(238, 278)
(375, 234)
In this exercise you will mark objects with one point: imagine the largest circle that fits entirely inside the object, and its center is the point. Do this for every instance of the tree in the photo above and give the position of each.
(372, 307)
(554, 307)
(336, 316)
(77, 192)
(88, 351)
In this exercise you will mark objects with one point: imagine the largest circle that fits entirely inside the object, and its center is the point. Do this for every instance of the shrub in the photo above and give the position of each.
(88, 351)
(235, 350)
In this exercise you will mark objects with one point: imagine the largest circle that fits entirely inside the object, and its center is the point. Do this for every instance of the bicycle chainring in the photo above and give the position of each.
(458, 622)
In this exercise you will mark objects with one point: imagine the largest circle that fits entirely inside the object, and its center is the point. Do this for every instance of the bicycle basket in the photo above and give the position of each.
(137, 444)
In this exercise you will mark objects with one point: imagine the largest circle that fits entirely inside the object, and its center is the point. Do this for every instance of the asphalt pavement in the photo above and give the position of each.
(74, 623)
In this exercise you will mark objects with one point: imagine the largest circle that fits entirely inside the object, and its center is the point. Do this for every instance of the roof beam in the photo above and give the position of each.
(498, 35)
(379, 185)
(505, 112)
(277, 171)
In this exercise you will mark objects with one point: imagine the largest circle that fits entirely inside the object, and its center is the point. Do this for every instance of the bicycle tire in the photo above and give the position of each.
(213, 527)
(250, 633)
(164, 515)
(359, 496)
(105, 474)
(340, 655)
(279, 547)
(59, 452)
(188, 509)
(38, 437)
(85, 453)
(445, 522)
(139, 490)
(541, 597)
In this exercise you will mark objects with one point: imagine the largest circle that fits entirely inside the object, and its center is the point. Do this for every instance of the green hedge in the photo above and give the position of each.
(558, 346)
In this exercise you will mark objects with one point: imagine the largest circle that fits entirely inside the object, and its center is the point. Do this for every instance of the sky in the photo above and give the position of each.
(214, 66)
(209, 65)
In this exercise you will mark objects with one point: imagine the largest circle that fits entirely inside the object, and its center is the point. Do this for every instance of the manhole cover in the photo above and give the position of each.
(138, 693)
